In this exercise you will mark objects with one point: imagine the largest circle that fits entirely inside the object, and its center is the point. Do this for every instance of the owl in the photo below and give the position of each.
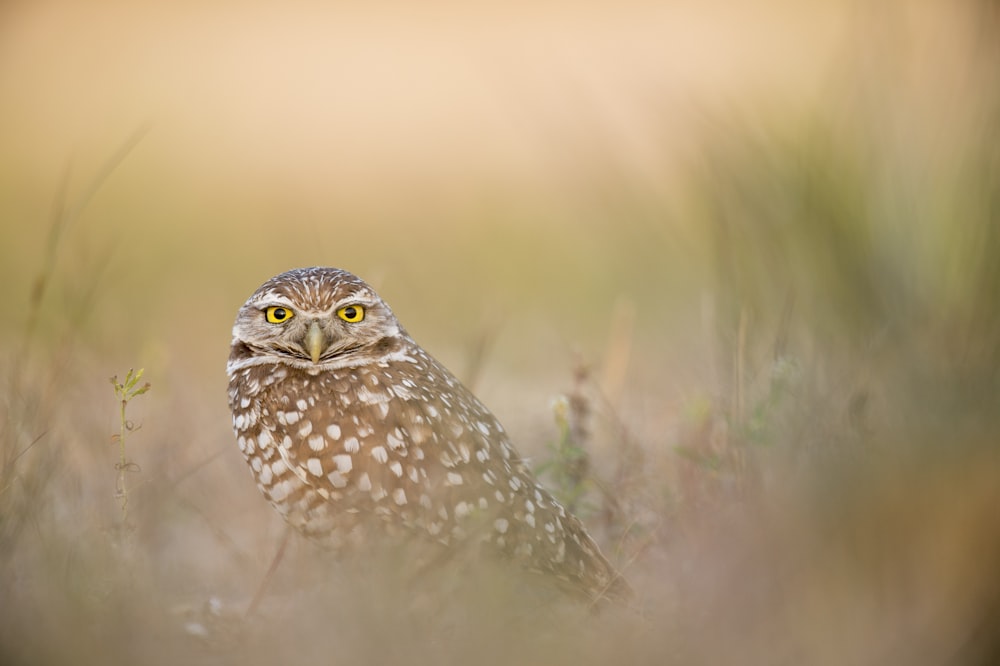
(349, 426)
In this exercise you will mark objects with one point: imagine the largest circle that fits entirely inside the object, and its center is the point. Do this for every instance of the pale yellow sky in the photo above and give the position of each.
(308, 91)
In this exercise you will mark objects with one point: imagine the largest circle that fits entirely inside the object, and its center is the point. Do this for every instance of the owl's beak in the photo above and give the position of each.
(316, 342)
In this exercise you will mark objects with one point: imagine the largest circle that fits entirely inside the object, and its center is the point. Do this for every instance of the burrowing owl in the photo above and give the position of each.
(347, 422)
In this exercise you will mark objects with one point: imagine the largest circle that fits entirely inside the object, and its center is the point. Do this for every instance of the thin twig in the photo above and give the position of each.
(278, 556)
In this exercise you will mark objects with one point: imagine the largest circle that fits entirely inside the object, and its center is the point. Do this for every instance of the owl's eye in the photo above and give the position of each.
(351, 313)
(277, 314)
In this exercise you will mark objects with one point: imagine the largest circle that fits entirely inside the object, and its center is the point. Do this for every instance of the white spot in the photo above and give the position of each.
(411, 472)
(399, 496)
(314, 466)
(549, 527)
(499, 495)
(393, 441)
(337, 479)
(561, 552)
(483, 428)
(464, 451)
(305, 429)
(529, 505)
(396, 468)
(196, 629)
(483, 504)
(425, 501)
(501, 525)
(462, 509)
(302, 405)
(279, 467)
(364, 483)
(351, 445)
(264, 438)
(515, 483)
(333, 431)
(418, 453)
(482, 455)
(286, 442)
(364, 395)
(379, 454)
(530, 519)
(343, 462)
(317, 443)
(291, 418)
(454, 479)
(266, 475)
(255, 464)
(378, 493)
(280, 491)
(432, 411)
(244, 402)
(434, 528)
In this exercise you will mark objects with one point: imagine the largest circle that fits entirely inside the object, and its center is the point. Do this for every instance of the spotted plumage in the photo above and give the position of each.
(347, 424)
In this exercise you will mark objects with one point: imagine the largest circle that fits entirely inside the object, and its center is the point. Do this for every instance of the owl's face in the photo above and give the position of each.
(314, 318)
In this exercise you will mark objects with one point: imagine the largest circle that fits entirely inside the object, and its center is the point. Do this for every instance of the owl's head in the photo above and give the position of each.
(314, 318)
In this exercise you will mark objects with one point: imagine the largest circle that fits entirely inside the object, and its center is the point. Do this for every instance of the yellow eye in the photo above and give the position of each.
(352, 314)
(277, 314)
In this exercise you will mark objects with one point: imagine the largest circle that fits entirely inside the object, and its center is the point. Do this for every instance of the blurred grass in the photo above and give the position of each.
(785, 296)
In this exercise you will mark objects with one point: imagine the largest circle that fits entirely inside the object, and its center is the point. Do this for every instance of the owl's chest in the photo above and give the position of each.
(324, 415)
(338, 435)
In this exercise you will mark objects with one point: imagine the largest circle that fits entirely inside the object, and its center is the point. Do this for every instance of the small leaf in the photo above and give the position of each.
(135, 378)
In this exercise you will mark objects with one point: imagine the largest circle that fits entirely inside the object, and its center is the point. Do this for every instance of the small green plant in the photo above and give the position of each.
(125, 391)
(569, 461)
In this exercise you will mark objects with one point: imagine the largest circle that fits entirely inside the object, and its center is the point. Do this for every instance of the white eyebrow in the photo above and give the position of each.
(273, 300)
